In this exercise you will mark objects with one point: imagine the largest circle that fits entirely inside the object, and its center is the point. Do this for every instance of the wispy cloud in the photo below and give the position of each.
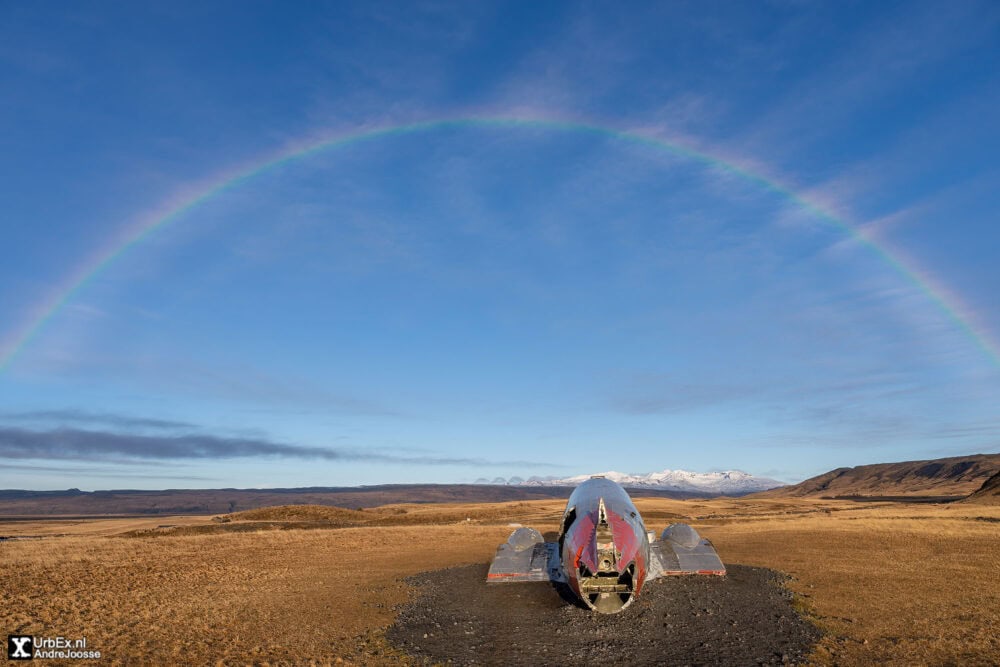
(665, 394)
(78, 444)
(100, 472)
(244, 383)
(876, 421)
(883, 57)
(877, 408)
(72, 416)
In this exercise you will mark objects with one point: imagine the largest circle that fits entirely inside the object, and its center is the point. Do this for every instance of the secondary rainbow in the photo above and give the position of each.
(192, 197)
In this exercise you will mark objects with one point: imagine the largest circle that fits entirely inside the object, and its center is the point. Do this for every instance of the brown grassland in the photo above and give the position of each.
(892, 583)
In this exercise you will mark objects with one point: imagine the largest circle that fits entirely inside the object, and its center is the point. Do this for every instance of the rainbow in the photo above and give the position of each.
(132, 235)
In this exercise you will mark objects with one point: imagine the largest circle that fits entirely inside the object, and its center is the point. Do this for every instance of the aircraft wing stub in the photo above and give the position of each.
(535, 562)
(690, 555)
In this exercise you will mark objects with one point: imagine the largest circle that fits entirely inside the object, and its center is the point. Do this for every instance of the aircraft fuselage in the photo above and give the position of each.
(603, 552)
(603, 545)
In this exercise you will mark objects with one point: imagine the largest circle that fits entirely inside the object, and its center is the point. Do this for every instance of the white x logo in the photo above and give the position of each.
(19, 643)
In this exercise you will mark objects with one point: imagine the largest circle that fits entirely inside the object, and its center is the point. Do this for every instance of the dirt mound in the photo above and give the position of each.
(300, 513)
(955, 476)
(988, 494)
(743, 618)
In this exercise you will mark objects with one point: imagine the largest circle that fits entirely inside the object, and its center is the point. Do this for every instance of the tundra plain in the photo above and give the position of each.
(887, 582)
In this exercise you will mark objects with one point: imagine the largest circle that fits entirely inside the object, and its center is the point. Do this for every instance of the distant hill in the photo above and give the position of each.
(988, 493)
(955, 476)
(74, 502)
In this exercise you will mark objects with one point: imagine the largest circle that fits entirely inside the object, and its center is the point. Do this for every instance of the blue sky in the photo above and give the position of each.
(774, 250)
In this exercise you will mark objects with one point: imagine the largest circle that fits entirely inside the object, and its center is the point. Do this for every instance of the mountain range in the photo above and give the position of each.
(728, 483)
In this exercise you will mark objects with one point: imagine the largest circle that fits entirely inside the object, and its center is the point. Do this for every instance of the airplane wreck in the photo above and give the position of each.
(604, 552)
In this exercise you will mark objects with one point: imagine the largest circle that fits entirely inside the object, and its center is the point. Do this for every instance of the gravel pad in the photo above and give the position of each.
(744, 618)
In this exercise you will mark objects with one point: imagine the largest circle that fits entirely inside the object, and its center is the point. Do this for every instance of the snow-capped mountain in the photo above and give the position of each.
(730, 482)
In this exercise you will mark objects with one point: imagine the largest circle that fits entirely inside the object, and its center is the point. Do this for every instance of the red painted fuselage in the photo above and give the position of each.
(603, 545)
